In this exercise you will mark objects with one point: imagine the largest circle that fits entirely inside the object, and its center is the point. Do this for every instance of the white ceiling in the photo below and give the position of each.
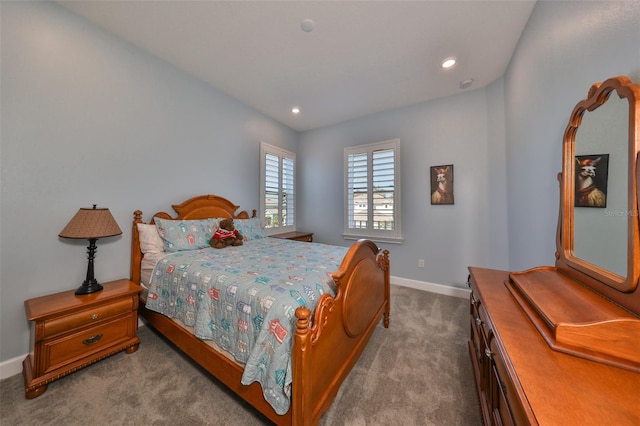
(361, 58)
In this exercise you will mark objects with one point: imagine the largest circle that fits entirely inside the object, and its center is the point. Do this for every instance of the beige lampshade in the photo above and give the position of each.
(91, 223)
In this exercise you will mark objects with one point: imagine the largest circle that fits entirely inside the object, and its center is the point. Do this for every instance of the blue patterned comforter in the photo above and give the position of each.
(244, 298)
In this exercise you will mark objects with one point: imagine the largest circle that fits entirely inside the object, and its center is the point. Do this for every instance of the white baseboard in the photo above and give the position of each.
(462, 293)
(13, 366)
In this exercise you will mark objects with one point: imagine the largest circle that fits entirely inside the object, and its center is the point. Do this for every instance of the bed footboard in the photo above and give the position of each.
(325, 353)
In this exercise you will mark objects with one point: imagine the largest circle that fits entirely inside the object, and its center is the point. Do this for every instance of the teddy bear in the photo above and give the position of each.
(226, 235)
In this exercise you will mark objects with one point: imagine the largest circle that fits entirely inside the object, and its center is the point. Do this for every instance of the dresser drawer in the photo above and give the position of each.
(66, 349)
(479, 315)
(476, 328)
(86, 317)
(509, 403)
(501, 412)
(485, 325)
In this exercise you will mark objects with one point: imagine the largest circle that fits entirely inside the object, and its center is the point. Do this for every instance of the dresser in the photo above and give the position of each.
(70, 331)
(521, 380)
(560, 345)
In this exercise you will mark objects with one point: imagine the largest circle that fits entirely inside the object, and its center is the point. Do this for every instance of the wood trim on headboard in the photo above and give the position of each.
(200, 207)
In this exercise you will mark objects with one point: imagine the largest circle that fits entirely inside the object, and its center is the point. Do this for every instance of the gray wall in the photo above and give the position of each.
(87, 118)
(565, 48)
(505, 142)
(453, 130)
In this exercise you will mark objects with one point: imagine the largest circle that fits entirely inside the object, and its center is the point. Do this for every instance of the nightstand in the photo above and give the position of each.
(69, 332)
(296, 236)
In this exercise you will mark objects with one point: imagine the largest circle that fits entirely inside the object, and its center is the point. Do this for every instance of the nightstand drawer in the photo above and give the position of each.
(86, 317)
(59, 352)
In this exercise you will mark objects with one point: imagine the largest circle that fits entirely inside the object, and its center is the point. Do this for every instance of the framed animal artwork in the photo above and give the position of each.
(442, 184)
(592, 173)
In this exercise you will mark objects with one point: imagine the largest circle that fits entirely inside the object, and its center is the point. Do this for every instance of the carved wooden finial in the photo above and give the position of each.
(383, 261)
(303, 314)
(137, 216)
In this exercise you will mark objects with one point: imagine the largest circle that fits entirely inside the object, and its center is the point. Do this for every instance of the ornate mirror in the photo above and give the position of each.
(597, 244)
(598, 235)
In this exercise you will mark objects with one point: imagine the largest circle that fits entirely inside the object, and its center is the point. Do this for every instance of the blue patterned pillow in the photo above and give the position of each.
(250, 229)
(179, 235)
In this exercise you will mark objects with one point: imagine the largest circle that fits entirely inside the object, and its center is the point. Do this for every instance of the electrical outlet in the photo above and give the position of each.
(420, 263)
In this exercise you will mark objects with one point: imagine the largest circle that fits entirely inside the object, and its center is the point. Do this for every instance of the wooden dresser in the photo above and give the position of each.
(560, 345)
(521, 380)
(69, 332)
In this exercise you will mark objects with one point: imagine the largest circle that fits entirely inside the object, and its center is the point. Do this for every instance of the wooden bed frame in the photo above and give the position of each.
(323, 353)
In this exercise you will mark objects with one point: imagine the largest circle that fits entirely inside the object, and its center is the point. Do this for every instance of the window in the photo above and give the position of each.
(277, 188)
(372, 191)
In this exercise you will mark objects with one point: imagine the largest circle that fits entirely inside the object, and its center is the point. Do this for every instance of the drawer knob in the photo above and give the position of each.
(92, 340)
(488, 352)
(94, 316)
(478, 321)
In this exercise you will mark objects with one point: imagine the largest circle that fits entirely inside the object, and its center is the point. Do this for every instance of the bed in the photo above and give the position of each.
(327, 335)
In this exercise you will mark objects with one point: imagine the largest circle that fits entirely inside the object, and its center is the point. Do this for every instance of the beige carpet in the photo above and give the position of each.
(417, 372)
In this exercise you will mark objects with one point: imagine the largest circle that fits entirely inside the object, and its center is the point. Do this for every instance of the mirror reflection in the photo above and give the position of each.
(601, 186)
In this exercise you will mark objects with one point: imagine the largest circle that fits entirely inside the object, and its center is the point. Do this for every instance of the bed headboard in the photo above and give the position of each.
(200, 207)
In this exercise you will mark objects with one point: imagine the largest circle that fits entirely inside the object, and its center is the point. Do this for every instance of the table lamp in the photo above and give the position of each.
(91, 224)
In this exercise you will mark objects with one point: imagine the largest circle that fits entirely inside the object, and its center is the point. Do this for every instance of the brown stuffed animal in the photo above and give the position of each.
(226, 235)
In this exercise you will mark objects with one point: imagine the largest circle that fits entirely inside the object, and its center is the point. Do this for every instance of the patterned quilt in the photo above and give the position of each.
(244, 298)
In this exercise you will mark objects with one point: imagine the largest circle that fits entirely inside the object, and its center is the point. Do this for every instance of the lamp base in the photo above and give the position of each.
(90, 284)
(88, 287)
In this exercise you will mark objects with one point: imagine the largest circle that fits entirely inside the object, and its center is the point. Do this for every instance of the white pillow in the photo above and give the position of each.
(150, 241)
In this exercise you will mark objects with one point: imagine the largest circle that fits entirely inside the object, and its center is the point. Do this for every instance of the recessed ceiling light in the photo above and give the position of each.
(448, 63)
(295, 110)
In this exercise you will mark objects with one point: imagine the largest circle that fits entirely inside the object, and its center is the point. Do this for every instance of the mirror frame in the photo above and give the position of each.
(606, 282)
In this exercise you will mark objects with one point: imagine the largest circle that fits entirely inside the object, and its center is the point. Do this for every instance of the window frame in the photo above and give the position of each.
(379, 235)
(267, 149)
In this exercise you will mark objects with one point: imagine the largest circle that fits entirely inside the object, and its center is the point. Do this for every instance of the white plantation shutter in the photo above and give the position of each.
(277, 190)
(383, 171)
(272, 190)
(358, 183)
(287, 168)
(372, 191)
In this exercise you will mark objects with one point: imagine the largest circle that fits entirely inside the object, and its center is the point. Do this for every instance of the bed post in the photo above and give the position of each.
(383, 263)
(136, 254)
(301, 409)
